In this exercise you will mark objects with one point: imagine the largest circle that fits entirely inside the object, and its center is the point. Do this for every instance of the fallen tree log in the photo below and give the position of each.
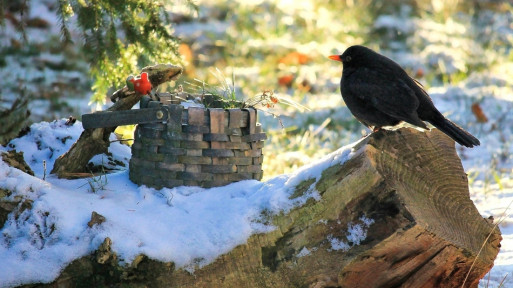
(406, 188)
(96, 141)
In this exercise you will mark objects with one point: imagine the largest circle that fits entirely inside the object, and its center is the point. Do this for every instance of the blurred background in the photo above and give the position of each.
(66, 57)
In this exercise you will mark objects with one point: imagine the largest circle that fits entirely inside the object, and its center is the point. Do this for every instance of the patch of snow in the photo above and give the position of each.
(337, 244)
(356, 233)
(498, 205)
(323, 221)
(191, 103)
(403, 25)
(303, 252)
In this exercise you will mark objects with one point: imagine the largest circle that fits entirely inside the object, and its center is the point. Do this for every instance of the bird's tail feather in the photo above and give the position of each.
(455, 132)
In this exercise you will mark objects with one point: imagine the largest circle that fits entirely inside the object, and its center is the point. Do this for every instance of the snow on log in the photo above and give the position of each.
(396, 214)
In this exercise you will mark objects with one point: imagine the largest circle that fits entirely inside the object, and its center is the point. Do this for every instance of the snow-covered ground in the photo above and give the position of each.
(194, 225)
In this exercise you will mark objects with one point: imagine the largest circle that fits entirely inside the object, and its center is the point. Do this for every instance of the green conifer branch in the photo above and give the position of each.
(146, 38)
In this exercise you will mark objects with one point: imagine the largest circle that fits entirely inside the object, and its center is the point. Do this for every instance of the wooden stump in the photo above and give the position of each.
(406, 187)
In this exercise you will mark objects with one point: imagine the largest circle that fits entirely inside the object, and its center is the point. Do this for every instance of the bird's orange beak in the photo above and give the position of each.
(335, 57)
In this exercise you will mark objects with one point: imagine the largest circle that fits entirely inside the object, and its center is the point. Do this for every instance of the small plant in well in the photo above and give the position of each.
(266, 100)
(224, 96)
(216, 96)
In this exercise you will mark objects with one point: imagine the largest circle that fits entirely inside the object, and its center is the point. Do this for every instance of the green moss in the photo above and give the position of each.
(302, 188)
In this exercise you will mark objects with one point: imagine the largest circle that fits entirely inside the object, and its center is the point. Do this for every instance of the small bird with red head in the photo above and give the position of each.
(140, 84)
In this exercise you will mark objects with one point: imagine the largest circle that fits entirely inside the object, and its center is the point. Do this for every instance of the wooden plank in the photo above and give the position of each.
(195, 129)
(235, 118)
(194, 160)
(257, 144)
(194, 152)
(171, 150)
(217, 121)
(154, 157)
(150, 148)
(105, 119)
(258, 160)
(192, 136)
(248, 153)
(195, 176)
(220, 160)
(172, 135)
(259, 175)
(240, 160)
(194, 183)
(168, 158)
(230, 145)
(142, 163)
(174, 122)
(249, 168)
(219, 145)
(194, 168)
(150, 134)
(232, 177)
(172, 143)
(154, 126)
(237, 145)
(214, 183)
(235, 132)
(171, 166)
(165, 174)
(218, 169)
(172, 183)
(136, 145)
(196, 116)
(218, 153)
(194, 144)
(235, 139)
(146, 141)
(219, 137)
(251, 120)
(254, 137)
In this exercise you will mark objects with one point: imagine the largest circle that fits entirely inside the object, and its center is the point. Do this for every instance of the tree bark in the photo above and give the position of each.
(425, 231)
(96, 141)
(13, 119)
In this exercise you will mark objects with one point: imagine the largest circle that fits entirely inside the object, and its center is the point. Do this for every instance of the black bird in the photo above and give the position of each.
(380, 93)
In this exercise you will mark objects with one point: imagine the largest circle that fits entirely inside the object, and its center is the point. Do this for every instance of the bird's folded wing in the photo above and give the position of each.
(387, 93)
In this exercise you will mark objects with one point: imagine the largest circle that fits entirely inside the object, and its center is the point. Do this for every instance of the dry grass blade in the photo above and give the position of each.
(503, 216)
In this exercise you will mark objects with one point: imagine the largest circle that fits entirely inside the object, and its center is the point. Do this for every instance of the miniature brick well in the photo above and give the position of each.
(204, 147)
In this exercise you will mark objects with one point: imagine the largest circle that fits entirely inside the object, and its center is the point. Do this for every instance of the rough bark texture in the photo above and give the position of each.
(96, 141)
(426, 231)
(13, 120)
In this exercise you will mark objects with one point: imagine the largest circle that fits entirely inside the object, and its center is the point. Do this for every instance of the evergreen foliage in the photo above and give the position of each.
(119, 37)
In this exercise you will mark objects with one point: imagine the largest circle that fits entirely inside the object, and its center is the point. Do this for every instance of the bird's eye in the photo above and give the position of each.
(348, 58)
